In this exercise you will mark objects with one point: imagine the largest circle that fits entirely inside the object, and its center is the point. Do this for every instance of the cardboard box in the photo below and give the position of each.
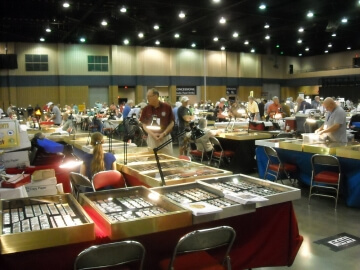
(42, 174)
(44, 182)
(16, 159)
(46, 190)
(16, 180)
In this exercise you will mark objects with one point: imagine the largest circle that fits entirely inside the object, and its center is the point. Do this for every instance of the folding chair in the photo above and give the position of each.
(275, 167)
(218, 153)
(195, 153)
(112, 254)
(108, 178)
(190, 251)
(79, 183)
(326, 175)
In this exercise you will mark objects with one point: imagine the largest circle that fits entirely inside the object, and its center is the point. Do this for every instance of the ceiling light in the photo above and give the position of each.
(222, 20)
(344, 20)
(82, 39)
(216, 38)
(307, 49)
(48, 29)
(235, 35)
(310, 14)
(348, 48)
(66, 4)
(123, 9)
(252, 50)
(329, 45)
(157, 42)
(281, 52)
(333, 35)
(42, 39)
(222, 48)
(299, 41)
(104, 23)
(176, 35)
(216, 1)
(301, 30)
(140, 35)
(266, 26)
(126, 41)
(262, 6)
(193, 45)
(267, 37)
(181, 14)
(326, 51)
(300, 54)
(246, 42)
(277, 46)
(156, 27)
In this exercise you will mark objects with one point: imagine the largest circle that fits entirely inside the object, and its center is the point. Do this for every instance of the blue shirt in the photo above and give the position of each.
(109, 159)
(126, 111)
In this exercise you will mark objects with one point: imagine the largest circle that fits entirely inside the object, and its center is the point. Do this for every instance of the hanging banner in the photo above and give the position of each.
(185, 90)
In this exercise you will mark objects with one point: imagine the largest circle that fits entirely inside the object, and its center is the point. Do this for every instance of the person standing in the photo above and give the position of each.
(274, 108)
(221, 107)
(302, 105)
(185, 117)
(56, 117)
(335, 122)
(253, 109)
(127, 109)
(261, 106)
(164, 117)
(285, 109)
(315, 104)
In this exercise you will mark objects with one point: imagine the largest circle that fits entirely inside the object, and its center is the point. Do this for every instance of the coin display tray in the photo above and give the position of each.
(246, 186)
(128, 208)
(36, 217)
(164, 165)
(190, 172)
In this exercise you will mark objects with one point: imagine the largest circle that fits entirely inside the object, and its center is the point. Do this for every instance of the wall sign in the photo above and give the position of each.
(185, 90)
(231, 90)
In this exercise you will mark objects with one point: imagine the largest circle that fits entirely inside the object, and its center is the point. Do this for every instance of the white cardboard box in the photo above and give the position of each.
(42, 174)
(16, 159)
(44, 182)
(41, 190)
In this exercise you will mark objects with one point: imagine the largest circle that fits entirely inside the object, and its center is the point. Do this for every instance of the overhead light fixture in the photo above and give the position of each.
(123, 9)
(48, 29)
(222, 48)
(157, 42)
(267, 37)
(281, 53)
(42, 39)
(216, 38)
(126, 41)
(344, 20)
(333, 34)
(222, 20)
(156, 27)
(299, 41)
(262, 6)
(216, 1)
(329, 45)
(252, 50)
(277, 46)
(266, 26)
(310, 14)
(82, 39)
(301, 30)
(326, 51)
(141, 35)
(66, 4)
(193, 45)
(300, 54)
(307, 49)
(104, 23)
(235, 35)
(182, 15)
(246, 42)
(348, 48)
(177, 35)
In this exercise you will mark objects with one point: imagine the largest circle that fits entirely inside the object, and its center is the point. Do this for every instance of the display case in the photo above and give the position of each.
(175, 172)
(239, 183)
(272, 142)
(197, 197)
(352, 151)
(241, 136)
(42, 222)
(128, 212)
(296, 145)
(142, 158)
(323, 148)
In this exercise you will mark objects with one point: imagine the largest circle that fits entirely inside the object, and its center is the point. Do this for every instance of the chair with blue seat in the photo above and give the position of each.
(326, 175)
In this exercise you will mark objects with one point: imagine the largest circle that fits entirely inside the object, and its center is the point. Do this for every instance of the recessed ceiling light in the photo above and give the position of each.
(126, 41)
(333, 34)
(181, 14)
(48, 29)
(281, 52)
(246, 42)
(82, 39)
(222, 48)
(222, 20)
(193, 45)
(176, 35)
(252, 50)
(329, 45)
(216, 1)
(300, 54)
(141, 35)
(157, 42)
(216, 38)
(123, 9)
(267, 37)
(326, 51)
(301, 30)
(262, 6)
(156, 27)
(266, 26)
(299, 41)
(104, 23)
(310, 14)
(42, 39)
(344, 20)
(348, 48)
(307, 49)
(66, 4)
(235, 35)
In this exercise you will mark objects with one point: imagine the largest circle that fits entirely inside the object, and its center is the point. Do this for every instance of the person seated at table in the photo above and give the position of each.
(274, 110)
(67, 123)
(97, 161)
(302, 105)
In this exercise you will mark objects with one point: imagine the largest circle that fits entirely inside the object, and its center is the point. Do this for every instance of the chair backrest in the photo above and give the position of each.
(111, 178)
(78, 181)
(272, 155)
(216, 144)
(319, 161)
(185, 157)
(206, 239)
(111, 254)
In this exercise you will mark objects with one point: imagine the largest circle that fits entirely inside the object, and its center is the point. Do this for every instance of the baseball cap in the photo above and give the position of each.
(184, 99)
(49, 104)
(222, 99)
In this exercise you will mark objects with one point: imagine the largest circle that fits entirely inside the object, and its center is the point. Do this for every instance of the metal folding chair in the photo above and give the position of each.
(79, 183)
(218, 153)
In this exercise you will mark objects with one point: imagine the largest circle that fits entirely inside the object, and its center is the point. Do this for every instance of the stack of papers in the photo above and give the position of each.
(202, 208)
(244, 197)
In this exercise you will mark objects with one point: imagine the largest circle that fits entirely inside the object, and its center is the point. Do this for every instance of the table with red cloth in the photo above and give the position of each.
(267, 237)
(62, 174)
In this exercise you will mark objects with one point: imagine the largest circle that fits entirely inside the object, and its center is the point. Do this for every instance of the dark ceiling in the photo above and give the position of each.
(26, 20)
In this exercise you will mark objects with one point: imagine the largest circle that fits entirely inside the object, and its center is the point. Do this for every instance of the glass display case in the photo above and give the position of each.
(352, 151)
(323, 148)
(134, 211)
(272, 142)
(295, 145)
(41, 222)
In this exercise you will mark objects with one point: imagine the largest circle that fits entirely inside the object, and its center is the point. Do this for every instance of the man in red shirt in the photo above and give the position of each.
(164, 117)
(275, 109)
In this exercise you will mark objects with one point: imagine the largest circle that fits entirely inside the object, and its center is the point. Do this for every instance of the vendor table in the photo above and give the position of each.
(350, 181)
(267, 237)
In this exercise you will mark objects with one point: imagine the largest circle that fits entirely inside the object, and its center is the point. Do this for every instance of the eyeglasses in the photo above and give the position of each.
(151, 96)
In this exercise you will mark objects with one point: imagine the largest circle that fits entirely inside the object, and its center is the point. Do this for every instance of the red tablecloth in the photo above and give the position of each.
(267, 237)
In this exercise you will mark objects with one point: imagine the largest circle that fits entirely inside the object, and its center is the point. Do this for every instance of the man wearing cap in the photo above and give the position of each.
(56, 114)
(220, 109)
(253, 109)
(185, 117)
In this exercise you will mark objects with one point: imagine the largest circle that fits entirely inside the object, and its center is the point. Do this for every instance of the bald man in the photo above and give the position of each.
(335, 122)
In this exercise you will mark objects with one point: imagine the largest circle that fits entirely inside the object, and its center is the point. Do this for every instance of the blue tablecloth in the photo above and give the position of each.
(350, 169)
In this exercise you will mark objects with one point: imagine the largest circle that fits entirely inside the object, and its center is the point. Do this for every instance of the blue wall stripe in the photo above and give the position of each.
(78, 80)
